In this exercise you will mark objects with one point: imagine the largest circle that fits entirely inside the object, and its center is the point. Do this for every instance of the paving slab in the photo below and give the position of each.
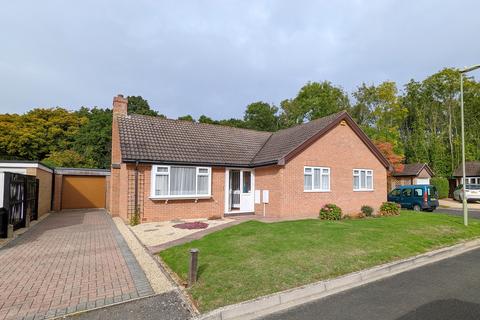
(72, 260)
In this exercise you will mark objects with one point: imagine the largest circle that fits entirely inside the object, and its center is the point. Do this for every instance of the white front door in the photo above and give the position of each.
(247, 198)
(240, 186)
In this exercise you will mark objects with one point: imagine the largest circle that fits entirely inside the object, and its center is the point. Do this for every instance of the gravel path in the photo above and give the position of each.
(158, 280)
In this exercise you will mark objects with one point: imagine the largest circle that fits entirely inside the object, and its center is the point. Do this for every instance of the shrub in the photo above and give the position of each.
(389, 209)
(135, 218)
(442, 186)
(330, 212)
(367, 210)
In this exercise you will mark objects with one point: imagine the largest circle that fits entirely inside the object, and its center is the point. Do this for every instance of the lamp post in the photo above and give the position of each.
(464, 200)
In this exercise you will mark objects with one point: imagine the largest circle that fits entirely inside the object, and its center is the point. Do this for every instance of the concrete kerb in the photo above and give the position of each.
(253, 309)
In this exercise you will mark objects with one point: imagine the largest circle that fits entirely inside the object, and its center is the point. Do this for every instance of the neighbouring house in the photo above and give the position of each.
(472, 173)
(412, 173)
(171, 169)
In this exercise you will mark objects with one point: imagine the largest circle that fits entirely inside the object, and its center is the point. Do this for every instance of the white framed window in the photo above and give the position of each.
(180, 182)
(316, 179)
(362, 180)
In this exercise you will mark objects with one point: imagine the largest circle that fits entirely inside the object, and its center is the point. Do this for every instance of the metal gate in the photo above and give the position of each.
(20, 199)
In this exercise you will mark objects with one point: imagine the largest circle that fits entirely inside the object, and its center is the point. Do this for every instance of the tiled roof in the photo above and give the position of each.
(154, 139)
(472, 169)
(412, 169)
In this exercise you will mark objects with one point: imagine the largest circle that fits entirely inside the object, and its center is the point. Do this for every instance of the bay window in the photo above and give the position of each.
(362, 180)
(180, 182)
(316, 179)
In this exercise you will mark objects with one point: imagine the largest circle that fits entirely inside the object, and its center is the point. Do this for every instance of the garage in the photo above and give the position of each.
(83, 192)
(81, 188)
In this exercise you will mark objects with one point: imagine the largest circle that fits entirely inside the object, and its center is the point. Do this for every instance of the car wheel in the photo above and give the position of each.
(416, 208)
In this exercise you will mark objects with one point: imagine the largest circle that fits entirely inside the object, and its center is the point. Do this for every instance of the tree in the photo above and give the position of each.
(68, 158)
(386, 148)
(314, 100)
(186, 118)
(138, 105)
(261, 116)
(205, 119)
(94, 139)
(39, 132)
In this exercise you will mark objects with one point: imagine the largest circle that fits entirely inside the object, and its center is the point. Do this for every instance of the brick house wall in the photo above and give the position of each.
(342, 151)
(44, 189)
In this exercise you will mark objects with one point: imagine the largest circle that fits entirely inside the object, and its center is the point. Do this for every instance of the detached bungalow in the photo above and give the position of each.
(472, 173)
(168, 169)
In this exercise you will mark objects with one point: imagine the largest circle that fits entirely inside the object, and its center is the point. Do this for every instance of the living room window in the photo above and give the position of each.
(316, 179)
(180, 182)
(362, 180)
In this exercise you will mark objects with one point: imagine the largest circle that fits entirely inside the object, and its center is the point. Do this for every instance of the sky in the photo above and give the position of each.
(215, 57)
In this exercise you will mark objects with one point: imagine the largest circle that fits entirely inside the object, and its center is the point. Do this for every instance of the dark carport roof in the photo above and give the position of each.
(472, 169)
(159, 140)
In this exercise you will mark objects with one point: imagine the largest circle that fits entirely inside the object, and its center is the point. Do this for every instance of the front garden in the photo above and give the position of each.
(254, 258)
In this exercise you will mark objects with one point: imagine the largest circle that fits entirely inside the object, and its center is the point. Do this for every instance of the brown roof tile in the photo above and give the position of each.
(412, 169)
(472, 169)
(154, 139)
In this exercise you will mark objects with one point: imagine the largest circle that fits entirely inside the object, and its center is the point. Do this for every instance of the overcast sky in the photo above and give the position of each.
(215, 57)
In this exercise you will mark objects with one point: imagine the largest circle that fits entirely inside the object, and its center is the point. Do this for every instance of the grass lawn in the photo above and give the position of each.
(254, 258)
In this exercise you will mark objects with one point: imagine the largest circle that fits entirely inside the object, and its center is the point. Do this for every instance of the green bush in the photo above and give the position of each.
(330, 212)
(367, 210)
(389, 209)
(135, 218)
(442, 186)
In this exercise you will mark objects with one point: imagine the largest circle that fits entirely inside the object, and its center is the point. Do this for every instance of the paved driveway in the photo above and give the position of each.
(70, 261)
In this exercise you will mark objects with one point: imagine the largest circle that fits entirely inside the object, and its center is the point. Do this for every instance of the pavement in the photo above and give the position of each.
(450, 203)
(165, 306)
(445, 290)
(70, 261)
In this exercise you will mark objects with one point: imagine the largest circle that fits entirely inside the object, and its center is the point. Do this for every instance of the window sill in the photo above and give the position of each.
(180, 197)
(363, 190)
(317, 191)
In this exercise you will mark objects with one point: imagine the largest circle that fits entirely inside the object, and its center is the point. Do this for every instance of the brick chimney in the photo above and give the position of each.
(119, 110)
(120, 105)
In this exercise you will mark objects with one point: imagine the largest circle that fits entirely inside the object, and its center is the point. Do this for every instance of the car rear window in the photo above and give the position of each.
(473, 186)
(418, 192)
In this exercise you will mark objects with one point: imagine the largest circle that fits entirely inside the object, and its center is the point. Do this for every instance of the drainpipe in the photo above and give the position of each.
(136, 188)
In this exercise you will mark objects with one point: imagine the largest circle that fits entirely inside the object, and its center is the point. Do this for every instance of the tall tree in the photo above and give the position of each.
(314, 100)
(94, 139)
(138, 105)
(261, 116)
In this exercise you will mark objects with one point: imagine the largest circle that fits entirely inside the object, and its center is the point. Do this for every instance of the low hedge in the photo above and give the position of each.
(442, 186)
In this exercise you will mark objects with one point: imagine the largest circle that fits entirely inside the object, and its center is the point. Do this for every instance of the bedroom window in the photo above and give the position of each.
(180, 182)
(316, 179)
(362, 180)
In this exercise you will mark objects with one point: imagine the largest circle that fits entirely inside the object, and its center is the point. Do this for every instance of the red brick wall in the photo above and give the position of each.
(341, 150)
(162, 210)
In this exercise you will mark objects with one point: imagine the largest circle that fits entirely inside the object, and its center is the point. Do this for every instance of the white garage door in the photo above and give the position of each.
(423, 180)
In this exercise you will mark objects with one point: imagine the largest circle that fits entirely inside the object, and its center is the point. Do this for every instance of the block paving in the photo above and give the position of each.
(71, 261)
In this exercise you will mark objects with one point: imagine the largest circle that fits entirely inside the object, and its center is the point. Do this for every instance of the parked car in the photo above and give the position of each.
(416, 197)
(472, 192)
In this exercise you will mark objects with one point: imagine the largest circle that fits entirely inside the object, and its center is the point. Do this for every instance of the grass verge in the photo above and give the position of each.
(254, 258)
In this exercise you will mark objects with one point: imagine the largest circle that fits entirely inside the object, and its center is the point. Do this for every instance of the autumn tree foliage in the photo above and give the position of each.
(386, 148)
